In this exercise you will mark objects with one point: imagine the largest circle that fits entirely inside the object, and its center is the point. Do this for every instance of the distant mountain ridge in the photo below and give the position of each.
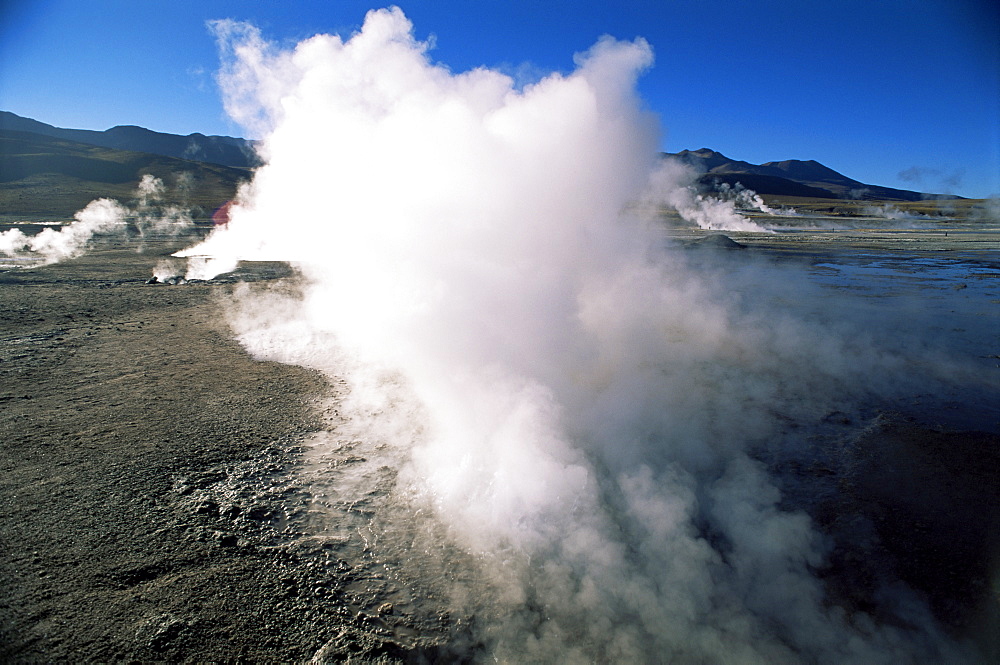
(51, 176)
(28, 152)
(791, 177)
(224, 150)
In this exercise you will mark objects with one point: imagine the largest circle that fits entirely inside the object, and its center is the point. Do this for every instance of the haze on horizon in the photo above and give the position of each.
(897, 94)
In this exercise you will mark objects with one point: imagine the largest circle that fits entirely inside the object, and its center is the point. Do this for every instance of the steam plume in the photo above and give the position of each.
(674, 184)
(572, 404)
(892, 213)
(101, 217)
(51, 246)
(747, 199)
(152, 216)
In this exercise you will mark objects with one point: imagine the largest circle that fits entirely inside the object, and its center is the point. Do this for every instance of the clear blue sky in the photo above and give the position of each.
(871, 89)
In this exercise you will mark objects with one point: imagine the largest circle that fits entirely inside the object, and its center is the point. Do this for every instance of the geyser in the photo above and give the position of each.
(571, 404)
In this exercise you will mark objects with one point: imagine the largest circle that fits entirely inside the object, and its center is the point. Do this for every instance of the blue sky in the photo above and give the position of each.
(871, 89)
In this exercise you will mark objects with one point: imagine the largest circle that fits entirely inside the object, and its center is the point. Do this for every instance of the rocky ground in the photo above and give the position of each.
(144, 493)
(149, 507)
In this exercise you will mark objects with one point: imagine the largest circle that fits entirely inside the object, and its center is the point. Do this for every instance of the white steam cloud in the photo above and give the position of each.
(674, 184)
(151, 216)
(747, 199)
(893, 213)
(50, 246)
(572, 405)
(101, 217)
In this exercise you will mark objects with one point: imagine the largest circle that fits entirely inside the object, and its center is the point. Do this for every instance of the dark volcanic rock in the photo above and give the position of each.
(715, 241)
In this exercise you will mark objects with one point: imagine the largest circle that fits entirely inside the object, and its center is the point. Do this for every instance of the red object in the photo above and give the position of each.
(221, 216)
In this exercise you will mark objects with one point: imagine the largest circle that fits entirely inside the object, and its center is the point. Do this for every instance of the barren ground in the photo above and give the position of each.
(127, 410)
(120, 402)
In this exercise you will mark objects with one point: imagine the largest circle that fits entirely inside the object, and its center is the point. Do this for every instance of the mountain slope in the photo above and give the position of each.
(55, 171)
(789, 177)
(49, 176)
(224, 150)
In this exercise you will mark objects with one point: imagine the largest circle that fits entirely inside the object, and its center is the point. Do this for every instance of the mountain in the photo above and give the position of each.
(43, 175)
(46, 170)
(791, 177)
(224, 150)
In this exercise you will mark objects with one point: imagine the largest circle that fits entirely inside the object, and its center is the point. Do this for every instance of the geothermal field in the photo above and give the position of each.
(494, 383)
(169, 495)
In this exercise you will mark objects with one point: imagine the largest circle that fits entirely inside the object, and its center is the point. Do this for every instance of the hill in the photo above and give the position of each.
(47, 176)
(51, 171)
(224, 150)
(791, 177)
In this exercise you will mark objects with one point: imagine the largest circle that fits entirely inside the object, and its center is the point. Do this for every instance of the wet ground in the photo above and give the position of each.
(912, 488)
(935, 288)
(163, 496)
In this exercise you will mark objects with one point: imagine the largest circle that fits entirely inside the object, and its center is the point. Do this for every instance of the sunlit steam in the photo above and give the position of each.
(747, 199)
(674, 183)
(101, 217)
(51, 245)
(152, 216)
(893, 213)
(571, 404)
